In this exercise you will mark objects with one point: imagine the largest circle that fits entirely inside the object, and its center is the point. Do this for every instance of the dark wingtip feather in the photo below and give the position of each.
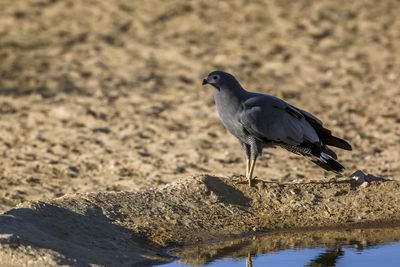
(336, 142)
(326, 135)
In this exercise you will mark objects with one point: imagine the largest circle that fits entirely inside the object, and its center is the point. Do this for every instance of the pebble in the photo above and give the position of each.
(359, 177)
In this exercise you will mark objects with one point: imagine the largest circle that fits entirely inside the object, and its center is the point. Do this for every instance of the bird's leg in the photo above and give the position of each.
(247, 153)
(255, 151)
(247, 166)
(250, 174)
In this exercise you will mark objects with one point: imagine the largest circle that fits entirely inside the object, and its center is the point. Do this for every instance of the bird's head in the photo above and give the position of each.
(218, 79)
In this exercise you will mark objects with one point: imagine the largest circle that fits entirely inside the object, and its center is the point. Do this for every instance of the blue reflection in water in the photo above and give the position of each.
(387, 254)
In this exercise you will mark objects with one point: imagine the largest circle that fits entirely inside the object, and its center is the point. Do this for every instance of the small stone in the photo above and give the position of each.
(359, 177)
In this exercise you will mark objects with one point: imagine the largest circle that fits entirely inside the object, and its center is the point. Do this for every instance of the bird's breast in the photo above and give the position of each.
(233, 125)
(228, 106)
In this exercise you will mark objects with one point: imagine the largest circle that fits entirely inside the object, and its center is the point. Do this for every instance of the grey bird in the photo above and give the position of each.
(260, 120)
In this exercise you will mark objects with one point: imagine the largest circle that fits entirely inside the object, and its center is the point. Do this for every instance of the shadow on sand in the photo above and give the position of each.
(80, 239)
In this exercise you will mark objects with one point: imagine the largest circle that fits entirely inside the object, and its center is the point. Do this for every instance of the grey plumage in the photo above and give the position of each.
(259, 120)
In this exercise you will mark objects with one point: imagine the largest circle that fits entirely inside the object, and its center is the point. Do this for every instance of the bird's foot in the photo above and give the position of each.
(241, 180)
(244, 180)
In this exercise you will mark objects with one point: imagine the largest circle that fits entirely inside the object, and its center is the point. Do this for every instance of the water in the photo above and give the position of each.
(355, 247)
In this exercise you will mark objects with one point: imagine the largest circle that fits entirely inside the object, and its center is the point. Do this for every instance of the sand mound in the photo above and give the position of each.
(134, 227)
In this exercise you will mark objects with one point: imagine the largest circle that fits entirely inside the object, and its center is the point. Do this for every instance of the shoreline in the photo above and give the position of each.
(102, 228)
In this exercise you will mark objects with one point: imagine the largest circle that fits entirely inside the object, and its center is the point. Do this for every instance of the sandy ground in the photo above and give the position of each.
(107, 96)
(135, 228)
(102, 96)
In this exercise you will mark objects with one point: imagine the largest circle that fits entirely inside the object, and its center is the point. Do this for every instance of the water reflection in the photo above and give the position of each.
(249, 262)
(328, 258)
(246, 248)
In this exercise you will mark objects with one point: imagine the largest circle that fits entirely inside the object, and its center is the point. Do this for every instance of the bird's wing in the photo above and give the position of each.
(309, 117)
(324, 134)
(270, 118)
(269, 100)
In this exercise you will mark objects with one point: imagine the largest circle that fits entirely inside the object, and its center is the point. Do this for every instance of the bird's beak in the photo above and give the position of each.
(204, 82)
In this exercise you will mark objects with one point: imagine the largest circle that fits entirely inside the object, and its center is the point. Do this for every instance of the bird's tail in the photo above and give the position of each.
(317, 153)
(326, 162)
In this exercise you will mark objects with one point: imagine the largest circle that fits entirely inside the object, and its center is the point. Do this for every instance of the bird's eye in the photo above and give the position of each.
(215, 77)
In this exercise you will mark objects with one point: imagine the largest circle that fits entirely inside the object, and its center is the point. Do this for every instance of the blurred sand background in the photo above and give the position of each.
(107, 96)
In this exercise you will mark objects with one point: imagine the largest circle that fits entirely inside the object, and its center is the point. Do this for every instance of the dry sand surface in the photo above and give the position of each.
(104, 96)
